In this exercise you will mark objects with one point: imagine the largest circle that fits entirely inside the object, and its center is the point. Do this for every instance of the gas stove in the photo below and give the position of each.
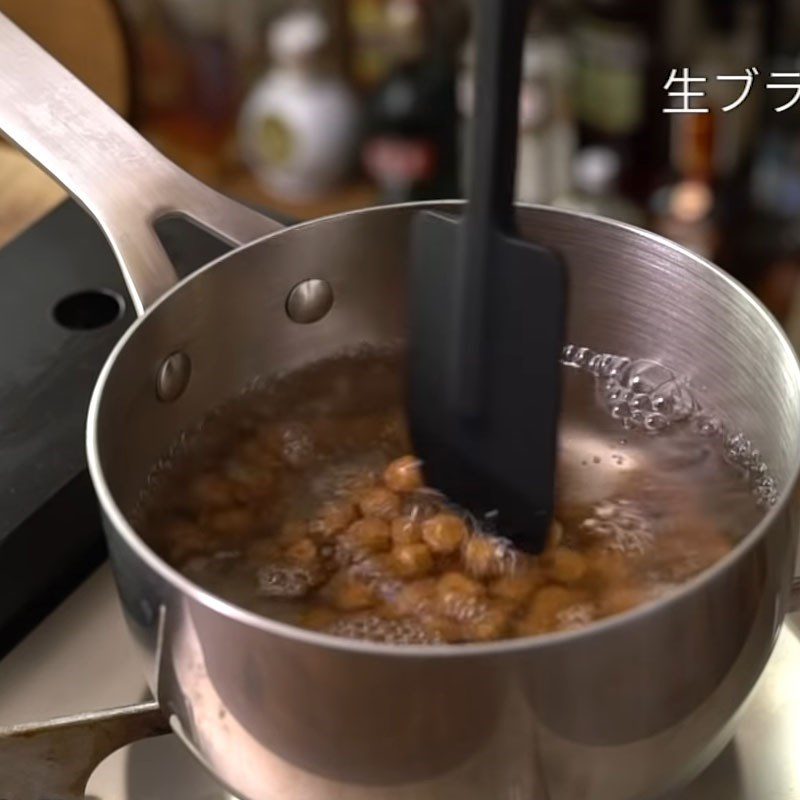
(79, 657)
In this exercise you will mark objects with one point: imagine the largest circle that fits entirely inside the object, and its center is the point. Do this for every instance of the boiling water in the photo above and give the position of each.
(652, 489)
(645, 396)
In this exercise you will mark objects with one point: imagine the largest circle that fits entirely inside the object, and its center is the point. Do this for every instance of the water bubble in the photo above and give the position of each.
(462, 607)
(655, 422)
(733, 441)
(296, 444)
(766, 481)
(759, 468)
(707, 426)
(624, 528)
(743, 452)
(575, 617)
(642, 386)
(284, 581)
(372, 628)
(606, 364)
(603, 511)
(638, 418)
(615, 394)
(681, 402)
(372, 572)
(619, 368)
(620, 411)
(660, 402)
(627, 522)
(765, 491)
(646, 376)
(582, 356)
(738, 450)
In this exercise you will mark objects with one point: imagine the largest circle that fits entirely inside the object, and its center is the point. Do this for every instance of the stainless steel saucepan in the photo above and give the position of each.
(625, 709)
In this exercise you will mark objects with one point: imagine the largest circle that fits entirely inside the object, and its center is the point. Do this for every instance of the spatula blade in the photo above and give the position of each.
(499, 465)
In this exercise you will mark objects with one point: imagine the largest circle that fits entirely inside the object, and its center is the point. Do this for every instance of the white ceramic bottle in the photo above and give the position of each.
(299, 126)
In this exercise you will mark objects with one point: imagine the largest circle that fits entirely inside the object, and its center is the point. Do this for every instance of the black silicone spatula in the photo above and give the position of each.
(487, 319)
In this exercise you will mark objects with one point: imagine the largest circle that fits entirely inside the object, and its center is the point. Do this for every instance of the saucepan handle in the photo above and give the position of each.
(121, 179)
(54, 760)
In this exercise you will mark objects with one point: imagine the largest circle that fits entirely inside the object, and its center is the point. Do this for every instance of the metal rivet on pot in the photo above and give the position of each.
(309, 301)
(173, 377)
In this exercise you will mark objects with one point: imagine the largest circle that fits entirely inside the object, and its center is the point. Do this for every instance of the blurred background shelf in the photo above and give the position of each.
(312, 107)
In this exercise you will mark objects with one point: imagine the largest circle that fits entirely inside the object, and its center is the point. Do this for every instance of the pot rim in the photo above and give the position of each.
(503, 647)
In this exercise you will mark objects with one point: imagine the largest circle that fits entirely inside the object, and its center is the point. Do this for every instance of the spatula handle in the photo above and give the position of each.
(500, 32)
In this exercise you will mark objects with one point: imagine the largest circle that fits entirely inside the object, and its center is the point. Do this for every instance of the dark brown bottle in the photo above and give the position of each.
(621, 70)
(410, 146)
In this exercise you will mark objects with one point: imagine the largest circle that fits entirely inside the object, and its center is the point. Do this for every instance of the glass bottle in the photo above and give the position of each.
(298, 128)
(410, 147)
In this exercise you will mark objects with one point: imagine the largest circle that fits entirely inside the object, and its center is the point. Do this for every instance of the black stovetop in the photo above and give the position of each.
(50, 535)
